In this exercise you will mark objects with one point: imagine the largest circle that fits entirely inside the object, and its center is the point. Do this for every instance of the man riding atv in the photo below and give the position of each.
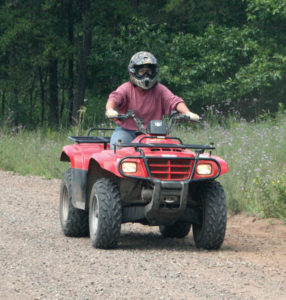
(149, 99)
(142, 174)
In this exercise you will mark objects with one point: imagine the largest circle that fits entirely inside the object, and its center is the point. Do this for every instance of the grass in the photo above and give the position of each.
(32, 152)
(255, 153)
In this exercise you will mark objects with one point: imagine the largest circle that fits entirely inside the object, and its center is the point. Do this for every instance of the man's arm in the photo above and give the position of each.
(110, 109)
(110, 104)
(116, 99)
(183, 109)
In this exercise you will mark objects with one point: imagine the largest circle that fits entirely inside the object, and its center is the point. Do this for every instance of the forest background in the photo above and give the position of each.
(57, 56)
(60, 59)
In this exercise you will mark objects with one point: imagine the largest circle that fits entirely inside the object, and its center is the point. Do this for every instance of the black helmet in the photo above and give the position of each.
(143, 69)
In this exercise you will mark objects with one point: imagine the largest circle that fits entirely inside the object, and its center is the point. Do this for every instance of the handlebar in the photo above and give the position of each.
(131, 115)
(174, 117)
(123, 117)
(179, 117)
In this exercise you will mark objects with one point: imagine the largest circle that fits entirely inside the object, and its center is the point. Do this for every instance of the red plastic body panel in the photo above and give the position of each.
(80, 156)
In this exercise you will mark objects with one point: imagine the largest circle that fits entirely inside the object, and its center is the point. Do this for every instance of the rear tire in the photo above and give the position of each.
(74, 222)
(177, 230)
(213, 215)
(105, 213)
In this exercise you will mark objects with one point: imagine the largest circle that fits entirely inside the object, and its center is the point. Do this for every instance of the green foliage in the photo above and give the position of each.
(110, 56)
(224, 65)
(209, 52)
(271, 191)
(262, 9)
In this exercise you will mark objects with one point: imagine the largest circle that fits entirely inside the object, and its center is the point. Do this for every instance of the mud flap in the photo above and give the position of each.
(79, 181)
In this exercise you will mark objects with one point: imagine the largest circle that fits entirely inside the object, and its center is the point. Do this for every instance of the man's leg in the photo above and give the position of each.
(126, 136)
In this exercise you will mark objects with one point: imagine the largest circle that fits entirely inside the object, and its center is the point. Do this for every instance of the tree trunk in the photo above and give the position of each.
(82, 64)
(32, 104)
(43, 95)
(14, 93)
(53, 89)
(3, 104)
(70, 63)
(62, 103)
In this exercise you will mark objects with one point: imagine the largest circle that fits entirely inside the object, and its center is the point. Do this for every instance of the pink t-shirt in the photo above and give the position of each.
(148, 105)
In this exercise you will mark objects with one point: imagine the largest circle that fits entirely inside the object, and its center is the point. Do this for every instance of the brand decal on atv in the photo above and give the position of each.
(158, 123)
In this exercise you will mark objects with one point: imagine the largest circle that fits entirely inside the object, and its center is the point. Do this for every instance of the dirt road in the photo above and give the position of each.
(38, 262)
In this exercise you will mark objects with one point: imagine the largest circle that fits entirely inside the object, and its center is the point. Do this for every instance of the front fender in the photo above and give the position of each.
(223, 164)
(107, 161)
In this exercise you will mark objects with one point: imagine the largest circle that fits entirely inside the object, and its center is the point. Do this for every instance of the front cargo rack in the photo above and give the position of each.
(200, 148)
(149, 160)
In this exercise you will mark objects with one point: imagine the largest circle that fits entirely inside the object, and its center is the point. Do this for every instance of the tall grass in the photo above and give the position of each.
(32, 152)
(256, 156)
(255, 153)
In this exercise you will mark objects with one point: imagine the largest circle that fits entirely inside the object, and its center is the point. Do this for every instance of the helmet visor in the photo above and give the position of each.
(147, 70)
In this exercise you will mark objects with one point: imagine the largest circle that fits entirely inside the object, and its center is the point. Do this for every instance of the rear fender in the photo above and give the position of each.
(86, 171)
(74, 155)
(82, 182)
(78, 175)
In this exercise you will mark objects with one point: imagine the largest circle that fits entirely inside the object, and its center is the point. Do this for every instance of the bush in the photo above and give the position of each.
(271, 192)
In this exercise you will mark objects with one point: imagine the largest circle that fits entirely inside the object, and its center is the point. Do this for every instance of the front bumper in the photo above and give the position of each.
(156, 214)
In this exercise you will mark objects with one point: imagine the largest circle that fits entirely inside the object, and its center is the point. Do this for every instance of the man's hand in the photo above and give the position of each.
(192, 116)
(111, 113)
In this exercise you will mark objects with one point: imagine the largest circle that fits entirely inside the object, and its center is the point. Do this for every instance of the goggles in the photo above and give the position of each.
(145, 71)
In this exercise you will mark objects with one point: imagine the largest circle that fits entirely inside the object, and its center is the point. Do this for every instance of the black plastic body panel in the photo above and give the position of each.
(79, 183)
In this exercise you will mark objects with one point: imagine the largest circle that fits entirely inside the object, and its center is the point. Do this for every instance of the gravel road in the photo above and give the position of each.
(38, 262)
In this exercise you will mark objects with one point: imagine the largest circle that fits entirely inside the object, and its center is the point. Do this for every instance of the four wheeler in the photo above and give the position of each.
(155, 180)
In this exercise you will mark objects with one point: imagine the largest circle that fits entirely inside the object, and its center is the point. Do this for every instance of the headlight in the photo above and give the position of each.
(204, 169)
(129, 167)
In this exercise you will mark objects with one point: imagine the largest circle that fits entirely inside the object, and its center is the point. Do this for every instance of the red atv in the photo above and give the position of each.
(155, 180)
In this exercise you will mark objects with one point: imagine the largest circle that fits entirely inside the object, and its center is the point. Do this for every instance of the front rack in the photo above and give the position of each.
(150, 177)
(137, 146)
(201, 148)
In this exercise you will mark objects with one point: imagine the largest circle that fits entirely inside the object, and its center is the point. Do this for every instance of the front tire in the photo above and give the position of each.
(105, 214)
(177, 230)
(74, 222)
(210, 233)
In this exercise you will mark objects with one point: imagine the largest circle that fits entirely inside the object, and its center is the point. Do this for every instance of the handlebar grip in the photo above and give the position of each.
(181, 117)
(120, 117)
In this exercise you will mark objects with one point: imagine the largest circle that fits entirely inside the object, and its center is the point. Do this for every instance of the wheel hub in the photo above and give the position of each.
(65, 205)
(94, 214)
